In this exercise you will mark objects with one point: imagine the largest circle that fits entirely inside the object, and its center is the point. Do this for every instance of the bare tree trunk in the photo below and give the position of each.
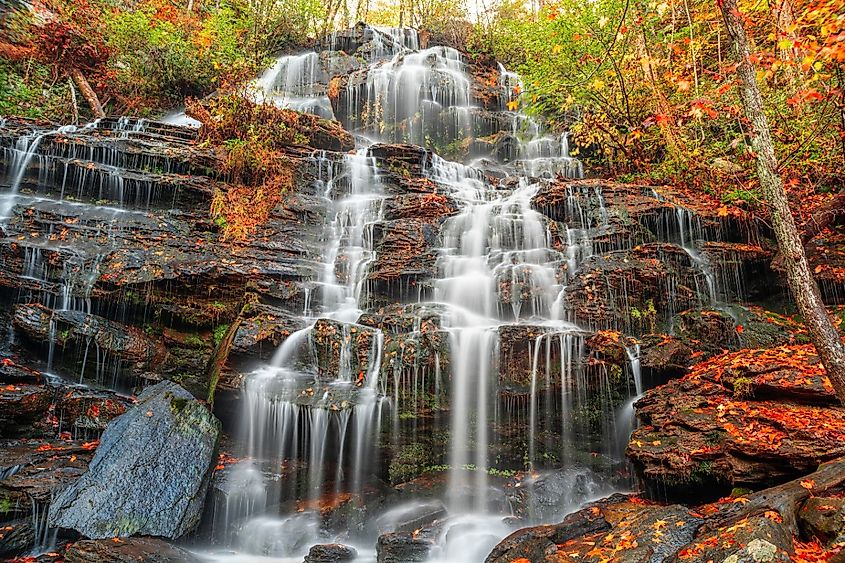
(73, 105)
(88, 93)
(804, 289)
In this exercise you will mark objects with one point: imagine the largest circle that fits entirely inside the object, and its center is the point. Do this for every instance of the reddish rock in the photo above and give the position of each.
(750, 419)
(127, 550)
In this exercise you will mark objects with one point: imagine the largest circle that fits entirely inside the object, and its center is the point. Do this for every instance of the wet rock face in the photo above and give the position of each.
(50, 409)
(634, 291)
(741, 419)
(150, 473)
(129, 550)
(30, 472)
(137, 250)
(72, 328)
(345, 351)
(262, 330)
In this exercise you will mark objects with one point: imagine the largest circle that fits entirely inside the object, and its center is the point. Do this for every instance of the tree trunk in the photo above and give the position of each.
(785, 499)
(88, 93)
(804, 289)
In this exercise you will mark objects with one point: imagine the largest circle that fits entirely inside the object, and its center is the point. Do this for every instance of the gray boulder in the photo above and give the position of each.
(150, 473)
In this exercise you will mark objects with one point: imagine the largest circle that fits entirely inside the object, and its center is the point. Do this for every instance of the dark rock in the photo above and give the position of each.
(732, 328)
(150, 473)
(612, 529)
(21, 405)
(402, 547)
(263, 329)
(68, 327)
(630, 290)
(17, 536)
(664, 357)
(517, 343)
(345, 351)
(30, 473)
(331, 553)
(545, 497)
(406, 254)
(86, 412)
(129, 550)
(12, 372)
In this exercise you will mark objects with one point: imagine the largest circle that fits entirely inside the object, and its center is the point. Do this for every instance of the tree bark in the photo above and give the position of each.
(87, 93)
(785, 499)
(805, 291)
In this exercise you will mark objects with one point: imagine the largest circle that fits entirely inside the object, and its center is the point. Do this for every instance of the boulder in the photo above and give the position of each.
(618, 528)
(331, 553)
(129, 550)
(402, 547)
(545, 497)
(150, 473)
(539, 542)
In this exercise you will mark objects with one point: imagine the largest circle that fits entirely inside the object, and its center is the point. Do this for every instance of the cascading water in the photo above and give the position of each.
(349, 399)
(497, 269)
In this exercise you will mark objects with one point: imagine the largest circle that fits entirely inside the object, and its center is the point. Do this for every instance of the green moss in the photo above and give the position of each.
(743, 388)
(410, 462)
(714, 438)
(740, 492)
(178, 404)
(219, 333)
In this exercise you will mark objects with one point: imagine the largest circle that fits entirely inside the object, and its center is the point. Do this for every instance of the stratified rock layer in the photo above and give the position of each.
(750, 419)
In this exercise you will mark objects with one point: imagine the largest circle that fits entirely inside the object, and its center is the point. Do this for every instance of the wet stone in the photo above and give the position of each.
(402, 547)
(263, 329)
(331, 553)
(156, 460)
(756, 539)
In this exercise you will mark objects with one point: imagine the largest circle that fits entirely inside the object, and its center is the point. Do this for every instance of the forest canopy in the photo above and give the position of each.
(646, 87)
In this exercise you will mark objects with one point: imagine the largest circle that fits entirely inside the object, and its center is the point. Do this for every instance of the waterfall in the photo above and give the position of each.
(415, 402)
